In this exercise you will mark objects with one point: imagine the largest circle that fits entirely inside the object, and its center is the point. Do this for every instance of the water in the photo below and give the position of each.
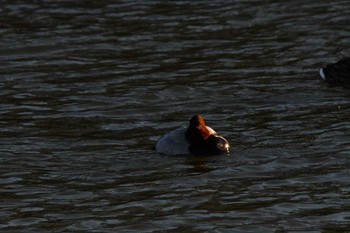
(87, 89)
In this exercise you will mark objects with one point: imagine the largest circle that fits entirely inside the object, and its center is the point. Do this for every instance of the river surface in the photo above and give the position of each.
(87, 88)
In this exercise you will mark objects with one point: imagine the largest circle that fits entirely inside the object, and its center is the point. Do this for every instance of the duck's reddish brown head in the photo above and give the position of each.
(197, 131)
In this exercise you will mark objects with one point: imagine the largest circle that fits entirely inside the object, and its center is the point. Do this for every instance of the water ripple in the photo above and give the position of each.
(87, 89)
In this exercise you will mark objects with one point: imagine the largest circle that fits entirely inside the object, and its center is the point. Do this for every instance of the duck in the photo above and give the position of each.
(338, 73)
(196, 139)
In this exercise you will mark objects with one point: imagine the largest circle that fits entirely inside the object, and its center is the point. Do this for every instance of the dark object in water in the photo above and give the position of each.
(337, 74)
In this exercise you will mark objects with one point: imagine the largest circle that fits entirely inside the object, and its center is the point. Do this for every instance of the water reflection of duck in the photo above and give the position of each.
(197, 139)
(337, 74)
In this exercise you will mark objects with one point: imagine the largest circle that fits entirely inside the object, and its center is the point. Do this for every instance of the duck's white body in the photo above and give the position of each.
(323, 76)
(175, 142)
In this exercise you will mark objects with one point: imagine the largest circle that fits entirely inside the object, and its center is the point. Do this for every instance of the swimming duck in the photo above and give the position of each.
(197, 139)
(337, 74)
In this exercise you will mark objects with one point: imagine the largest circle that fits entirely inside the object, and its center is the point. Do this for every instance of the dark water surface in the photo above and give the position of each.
(87, 87)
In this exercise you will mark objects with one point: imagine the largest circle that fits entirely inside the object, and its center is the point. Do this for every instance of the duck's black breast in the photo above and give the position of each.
(213, 145)
(337, 74)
